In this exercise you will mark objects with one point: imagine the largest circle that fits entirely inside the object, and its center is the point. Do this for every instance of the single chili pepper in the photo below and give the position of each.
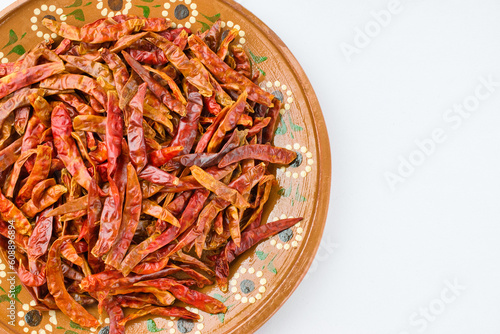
(274, 113)
(21, 119)
(152, 209)
(195, 74)
(161, 92)
(39, 189)
(225, 74)
(158, 176)
(173, 311)
(234, 224)
(29, 76)
(77, 103)
(218, 224)
(65, 145)
(188, 125)
(192, 297)
(9, 212)
(55, 284)
(155, 57)
(31, 279)
(261, 152)
(111, 217)
(49, 197)
(39, 173)
(243, 65)
(90, 123)
(258, 126)
(114, 132)
(76, 81)
(160, 157)
(130, 220)
(126, 41)
(213, 37)
(38, 242)
(228, 123)
(211, 105)
(190, 183)
(224, 45)
(135, 132)
(171, 34)
(116, 316)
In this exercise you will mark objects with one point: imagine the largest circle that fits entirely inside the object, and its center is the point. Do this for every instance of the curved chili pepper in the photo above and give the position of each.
(261, 152)
(135, 132)
(9, 212)
(156, 57)
(38, 243)
(66, 147)
(39, 173)
(29, 76)
(224, 45)
(243, 65)
(92, 123)
(31, 279)
(274, 113)
(162, 156)
(21, 119)
(171, 83)
(76, 81)
(130, 220)
(55, 284)
(188, 125)
(49, 197)
(158, 176)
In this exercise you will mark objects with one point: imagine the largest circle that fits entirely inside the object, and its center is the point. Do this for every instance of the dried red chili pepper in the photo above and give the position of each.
(55, 284)
(261, 152)
(65, 145)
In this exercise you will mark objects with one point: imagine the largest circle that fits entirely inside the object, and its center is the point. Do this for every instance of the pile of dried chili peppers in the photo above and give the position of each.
(134, 165)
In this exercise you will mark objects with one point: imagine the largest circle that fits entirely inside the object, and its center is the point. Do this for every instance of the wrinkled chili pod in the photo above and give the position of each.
(55, 284)
(275, 155)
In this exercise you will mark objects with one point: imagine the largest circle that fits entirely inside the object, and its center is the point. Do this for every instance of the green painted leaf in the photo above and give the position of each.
(12, 38)
(156, 6)
(262, 72)
(212, 18)
(3, 289)
(221, 317)
(59, 327)
(294, 126)
(272, 268)
(281, 129)
(23, 35)
(285, 192)
(220, 298)
(74, 325)
(70, 332)
(204, 26)
(257, 59)
(152, 326)
(78, 14)
(147, 0)
(87, 4)
(263, 267)
(4, 298)
(261, 255)
(298, 196)
(145, 10)
(77, 3)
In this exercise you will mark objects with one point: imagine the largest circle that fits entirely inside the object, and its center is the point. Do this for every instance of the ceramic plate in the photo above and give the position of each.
(264, 277)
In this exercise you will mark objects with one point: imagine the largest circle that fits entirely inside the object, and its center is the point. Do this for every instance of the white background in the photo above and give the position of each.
(389, 255)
